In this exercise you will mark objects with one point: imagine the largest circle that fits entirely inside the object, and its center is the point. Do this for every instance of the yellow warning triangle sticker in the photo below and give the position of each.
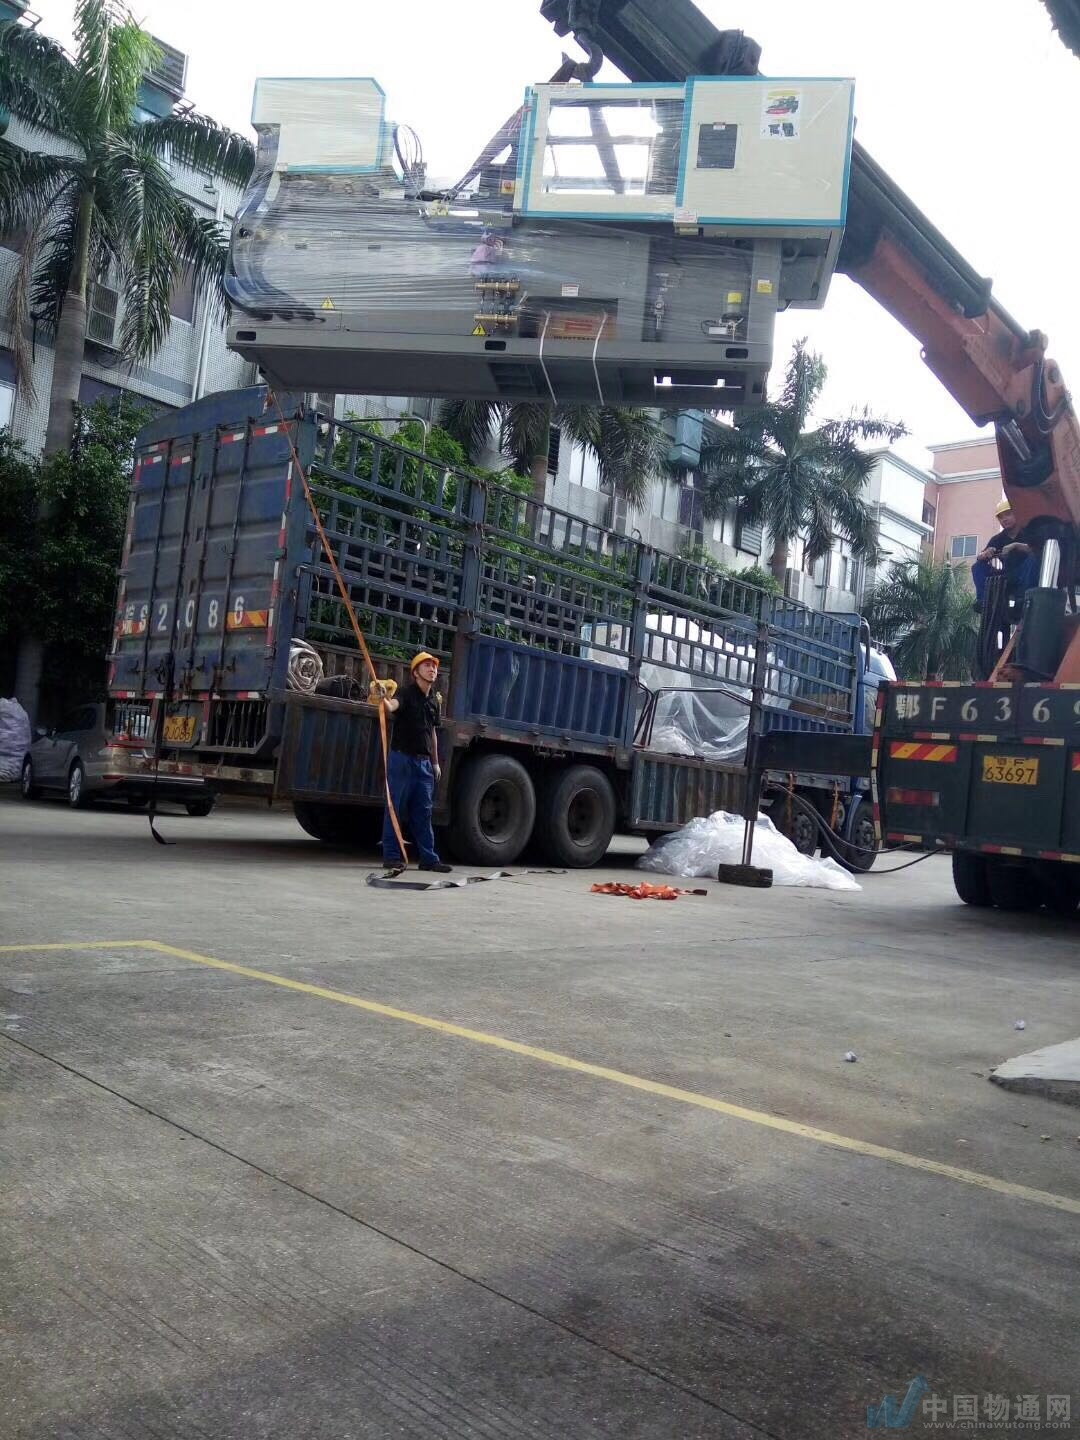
(328, 304)
(479, 330)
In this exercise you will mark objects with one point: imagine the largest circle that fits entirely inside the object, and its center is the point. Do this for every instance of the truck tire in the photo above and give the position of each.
(575, 816)
(353, 825)
(198, 808)
(971, 879)
(860, 854)
(1060, 888)
(800, 827)
(1013, 887)
(492, 811)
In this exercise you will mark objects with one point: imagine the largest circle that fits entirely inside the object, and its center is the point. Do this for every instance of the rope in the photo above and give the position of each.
(384, 734)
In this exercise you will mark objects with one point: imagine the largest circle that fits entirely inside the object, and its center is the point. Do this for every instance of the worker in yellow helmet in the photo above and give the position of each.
(1020, 559)
(414, 766)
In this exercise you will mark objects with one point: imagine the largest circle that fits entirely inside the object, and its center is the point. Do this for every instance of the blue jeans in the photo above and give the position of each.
(412, 788)
(1021, 575)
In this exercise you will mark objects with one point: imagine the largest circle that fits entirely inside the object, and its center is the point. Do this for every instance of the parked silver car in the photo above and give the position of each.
(105, 752)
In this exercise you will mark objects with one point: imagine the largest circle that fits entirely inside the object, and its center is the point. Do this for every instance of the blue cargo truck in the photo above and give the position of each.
(591, 683)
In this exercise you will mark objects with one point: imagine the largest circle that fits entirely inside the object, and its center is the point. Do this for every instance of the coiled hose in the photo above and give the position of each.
(305, 667)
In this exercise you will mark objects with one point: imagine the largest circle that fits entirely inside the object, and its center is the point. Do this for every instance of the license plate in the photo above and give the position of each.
(179, 729)
(1010, 770)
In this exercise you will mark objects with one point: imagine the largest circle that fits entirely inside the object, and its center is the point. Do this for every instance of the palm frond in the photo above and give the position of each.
(113, 55)
(804, 381)
(30, 183)
(630, 448)
(525, 433)
(924, 613)
(471, 423)
(201, 143)
(37, 81)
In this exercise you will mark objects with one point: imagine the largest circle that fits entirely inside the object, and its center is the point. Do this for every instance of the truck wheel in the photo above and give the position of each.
(492, 811)
(1013, 887)
(1060, 889)
(575, 816)
(352, 825)
(971, 879)
(861, 852)
(801, 829)
(199, 807)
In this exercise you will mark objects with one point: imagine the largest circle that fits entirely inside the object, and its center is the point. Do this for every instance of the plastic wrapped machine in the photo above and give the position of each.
(617, 244)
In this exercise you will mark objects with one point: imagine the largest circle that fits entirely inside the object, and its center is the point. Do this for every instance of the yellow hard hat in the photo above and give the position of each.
(999, 509)
(419, 659)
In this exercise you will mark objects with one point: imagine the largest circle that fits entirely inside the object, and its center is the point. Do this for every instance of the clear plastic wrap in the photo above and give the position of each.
(657, 224)
(698, 849)
(14, 739)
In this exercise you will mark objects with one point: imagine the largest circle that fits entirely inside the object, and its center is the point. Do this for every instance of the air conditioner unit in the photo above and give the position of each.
(800, 586)
(103, 316)
(170, 71)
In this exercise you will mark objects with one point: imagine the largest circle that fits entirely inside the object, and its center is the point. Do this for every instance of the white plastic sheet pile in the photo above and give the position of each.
(701, 847)
(14, 738)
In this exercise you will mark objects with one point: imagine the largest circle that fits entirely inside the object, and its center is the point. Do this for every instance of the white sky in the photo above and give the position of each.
(970, 105)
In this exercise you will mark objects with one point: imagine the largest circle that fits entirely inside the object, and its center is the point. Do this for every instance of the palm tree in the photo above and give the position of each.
(923, 612)
(105, 204)
(628, 444)
(793, 480)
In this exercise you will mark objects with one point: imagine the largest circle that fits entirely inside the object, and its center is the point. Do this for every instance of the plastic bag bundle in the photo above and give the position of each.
(701, 847)
(305, 667)
(14, 738)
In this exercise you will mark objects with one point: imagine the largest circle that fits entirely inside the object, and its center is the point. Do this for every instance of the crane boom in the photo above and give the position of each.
(996, 370)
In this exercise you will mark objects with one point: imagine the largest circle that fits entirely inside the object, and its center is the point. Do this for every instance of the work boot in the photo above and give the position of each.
(440, 867)
(391, 872)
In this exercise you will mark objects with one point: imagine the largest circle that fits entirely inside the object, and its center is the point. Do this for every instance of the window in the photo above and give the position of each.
(554, 449)
(182, 298)
(690, 510)
(78, 722)
(964, 547)
(7, 387)
(620, 147)
(929, 514)
(747, 537)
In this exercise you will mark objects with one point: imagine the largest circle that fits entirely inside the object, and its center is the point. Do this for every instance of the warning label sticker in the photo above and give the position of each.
(781, 113)
(328, 304)
(479, 330)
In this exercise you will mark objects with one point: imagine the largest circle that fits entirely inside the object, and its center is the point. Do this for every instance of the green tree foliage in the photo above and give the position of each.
(630, 448)
(58, 573)
(794, 480)
(923, 613)
(105, 206)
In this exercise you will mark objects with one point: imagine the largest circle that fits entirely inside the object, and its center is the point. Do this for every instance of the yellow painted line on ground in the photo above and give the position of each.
(1046, 1198)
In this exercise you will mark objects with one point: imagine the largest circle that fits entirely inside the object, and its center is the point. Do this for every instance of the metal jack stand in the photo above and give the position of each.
(754, 877)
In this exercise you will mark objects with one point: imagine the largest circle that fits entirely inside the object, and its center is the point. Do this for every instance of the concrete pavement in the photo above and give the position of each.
(515, 1159)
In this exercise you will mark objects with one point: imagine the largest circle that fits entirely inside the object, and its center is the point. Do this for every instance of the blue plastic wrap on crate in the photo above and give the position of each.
(512, 687)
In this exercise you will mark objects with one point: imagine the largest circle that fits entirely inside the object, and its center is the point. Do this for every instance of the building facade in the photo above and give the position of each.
(966, 490)
(194, 359)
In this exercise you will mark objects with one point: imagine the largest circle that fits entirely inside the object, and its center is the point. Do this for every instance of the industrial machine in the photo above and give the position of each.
(614, 244)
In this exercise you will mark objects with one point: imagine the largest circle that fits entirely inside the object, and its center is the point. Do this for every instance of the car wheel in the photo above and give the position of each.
(30, 791)
(199, 807)
(76, 790)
